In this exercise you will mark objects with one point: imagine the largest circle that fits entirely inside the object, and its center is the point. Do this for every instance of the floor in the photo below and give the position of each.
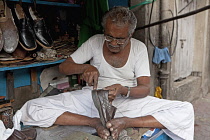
(202, 118)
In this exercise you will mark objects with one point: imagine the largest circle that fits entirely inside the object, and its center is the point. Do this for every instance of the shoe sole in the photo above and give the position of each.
(43, 45)
(27, 49)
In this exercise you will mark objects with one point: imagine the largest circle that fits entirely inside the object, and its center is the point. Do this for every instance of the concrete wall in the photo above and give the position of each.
(188, 89)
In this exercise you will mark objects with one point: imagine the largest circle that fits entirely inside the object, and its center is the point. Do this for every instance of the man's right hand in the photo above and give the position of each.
(90, 75)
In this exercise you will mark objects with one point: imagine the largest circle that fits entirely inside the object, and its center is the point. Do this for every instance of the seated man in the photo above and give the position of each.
(118, 63)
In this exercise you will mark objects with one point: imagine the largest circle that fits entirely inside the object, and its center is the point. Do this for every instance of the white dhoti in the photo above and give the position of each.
(176, 116)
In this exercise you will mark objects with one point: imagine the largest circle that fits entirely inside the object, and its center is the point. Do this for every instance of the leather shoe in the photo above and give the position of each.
(2, 19)
(27, 38)
(17, 135)
(43, 37)
(26, 134)
(30, 133)
(105, 109)
(1, 40)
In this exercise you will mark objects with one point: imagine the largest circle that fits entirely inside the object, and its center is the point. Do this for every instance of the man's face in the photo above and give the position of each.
(116, 37)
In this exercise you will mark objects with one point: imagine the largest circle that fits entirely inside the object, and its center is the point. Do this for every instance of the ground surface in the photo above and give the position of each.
(202, 118)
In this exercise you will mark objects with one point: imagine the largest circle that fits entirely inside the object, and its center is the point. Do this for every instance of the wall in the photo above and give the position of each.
(189, 70)
(197, 84)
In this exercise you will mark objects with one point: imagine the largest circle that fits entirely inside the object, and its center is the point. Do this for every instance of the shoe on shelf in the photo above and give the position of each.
(1, 40)
(3, 16)
(2, 19)
(43, 37)
(27, 38)
(9, 29)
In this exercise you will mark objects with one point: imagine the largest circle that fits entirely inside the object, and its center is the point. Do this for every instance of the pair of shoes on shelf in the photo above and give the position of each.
(32, 30)
(8, 31)
(26, 134)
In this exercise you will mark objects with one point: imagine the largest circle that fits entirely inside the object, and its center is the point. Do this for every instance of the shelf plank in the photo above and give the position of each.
(50, 3)
(36, 64)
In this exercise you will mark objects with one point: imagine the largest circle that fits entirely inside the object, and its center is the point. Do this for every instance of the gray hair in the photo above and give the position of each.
(121, 16)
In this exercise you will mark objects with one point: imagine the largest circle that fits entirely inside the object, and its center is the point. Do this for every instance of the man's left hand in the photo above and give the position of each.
(114, 90)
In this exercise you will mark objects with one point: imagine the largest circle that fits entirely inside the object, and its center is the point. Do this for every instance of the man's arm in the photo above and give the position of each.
(89, 73)
(69, 67)
(141, 90)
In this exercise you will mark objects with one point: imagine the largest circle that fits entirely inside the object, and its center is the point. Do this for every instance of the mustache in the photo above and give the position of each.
(114, 46)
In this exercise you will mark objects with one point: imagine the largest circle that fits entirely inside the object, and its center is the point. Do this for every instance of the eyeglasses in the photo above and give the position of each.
(119, 41)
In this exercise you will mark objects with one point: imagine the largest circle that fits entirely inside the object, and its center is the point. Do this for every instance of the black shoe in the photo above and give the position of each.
(27, 38)
(43, 37)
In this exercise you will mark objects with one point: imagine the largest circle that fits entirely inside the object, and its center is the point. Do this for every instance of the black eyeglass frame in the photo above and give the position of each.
(119, 41)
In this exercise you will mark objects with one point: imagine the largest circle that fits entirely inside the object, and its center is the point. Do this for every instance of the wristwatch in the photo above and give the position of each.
(128, 94)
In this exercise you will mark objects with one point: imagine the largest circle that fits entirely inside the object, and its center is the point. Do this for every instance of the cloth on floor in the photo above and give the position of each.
(6, 133)
(161, 55)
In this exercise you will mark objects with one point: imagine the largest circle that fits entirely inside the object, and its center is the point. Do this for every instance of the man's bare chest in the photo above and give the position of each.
(116, 61)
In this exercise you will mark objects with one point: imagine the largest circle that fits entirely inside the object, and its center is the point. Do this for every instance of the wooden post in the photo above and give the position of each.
(34, 84)
(10, 85)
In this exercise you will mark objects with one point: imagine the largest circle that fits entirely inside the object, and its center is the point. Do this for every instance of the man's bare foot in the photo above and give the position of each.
(116, 126)
(101, 130)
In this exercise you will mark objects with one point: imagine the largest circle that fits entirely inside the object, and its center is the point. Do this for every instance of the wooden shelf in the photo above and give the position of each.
(35, 64)
(50, 3)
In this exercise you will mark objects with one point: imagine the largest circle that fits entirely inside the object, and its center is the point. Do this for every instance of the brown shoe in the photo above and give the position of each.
(1, 40)
(26, 134)
(9, 30)
(17, 135)
(2, 19)
(30, 133)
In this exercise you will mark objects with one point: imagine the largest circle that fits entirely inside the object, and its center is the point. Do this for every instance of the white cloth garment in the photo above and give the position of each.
(137, 64)
(176, 116)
